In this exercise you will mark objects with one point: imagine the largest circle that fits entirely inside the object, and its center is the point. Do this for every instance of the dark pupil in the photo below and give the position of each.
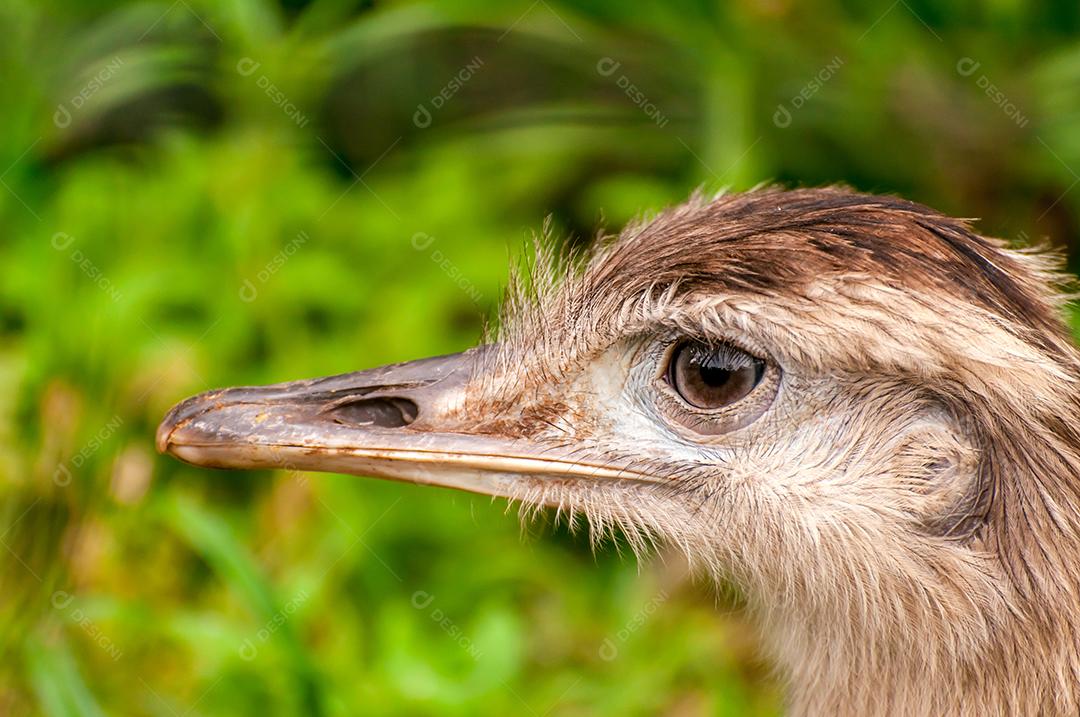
(713, 377)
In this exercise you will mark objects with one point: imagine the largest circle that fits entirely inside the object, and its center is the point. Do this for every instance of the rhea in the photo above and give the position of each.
(857, 409)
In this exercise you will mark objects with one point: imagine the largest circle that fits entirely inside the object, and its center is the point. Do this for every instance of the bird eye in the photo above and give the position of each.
(713, 376)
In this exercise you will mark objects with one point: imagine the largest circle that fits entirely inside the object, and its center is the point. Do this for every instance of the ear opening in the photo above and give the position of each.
(954, 477)
(964, 482)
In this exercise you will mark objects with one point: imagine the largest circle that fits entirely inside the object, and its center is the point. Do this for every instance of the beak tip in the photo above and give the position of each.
(164, 433)
(183, 413)
(177, 417)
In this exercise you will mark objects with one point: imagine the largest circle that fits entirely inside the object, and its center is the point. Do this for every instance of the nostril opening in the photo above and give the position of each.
(382, 412)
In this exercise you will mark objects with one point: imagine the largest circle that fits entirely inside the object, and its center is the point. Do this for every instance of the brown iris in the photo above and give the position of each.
(713, 376)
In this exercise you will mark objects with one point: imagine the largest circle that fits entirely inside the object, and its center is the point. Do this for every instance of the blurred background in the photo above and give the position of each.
(198, 193)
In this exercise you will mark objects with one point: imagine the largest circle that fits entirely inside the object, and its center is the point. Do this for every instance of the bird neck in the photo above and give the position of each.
(991, 626)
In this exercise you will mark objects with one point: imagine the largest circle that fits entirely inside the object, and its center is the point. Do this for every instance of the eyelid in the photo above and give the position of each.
(703, 424)
(731, 357)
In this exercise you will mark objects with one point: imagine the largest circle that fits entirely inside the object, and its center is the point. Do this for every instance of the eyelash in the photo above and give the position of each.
(733, 357)
(667, 346)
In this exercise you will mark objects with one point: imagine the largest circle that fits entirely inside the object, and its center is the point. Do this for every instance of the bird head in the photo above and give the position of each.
(849, 405)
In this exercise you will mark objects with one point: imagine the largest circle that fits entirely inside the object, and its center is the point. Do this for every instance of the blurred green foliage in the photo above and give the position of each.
(198, 194)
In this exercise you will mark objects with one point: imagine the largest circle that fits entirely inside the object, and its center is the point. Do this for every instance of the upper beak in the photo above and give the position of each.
(406, 421)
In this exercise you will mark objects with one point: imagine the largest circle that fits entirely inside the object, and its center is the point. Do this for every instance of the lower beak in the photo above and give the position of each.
(405, 421)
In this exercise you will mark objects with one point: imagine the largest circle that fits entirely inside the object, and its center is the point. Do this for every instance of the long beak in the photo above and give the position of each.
(402, 421)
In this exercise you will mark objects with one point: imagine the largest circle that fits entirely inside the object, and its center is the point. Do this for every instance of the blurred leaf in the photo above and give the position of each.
(57, 682)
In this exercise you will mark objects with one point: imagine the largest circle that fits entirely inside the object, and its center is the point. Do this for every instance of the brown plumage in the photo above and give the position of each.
(886, 459)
